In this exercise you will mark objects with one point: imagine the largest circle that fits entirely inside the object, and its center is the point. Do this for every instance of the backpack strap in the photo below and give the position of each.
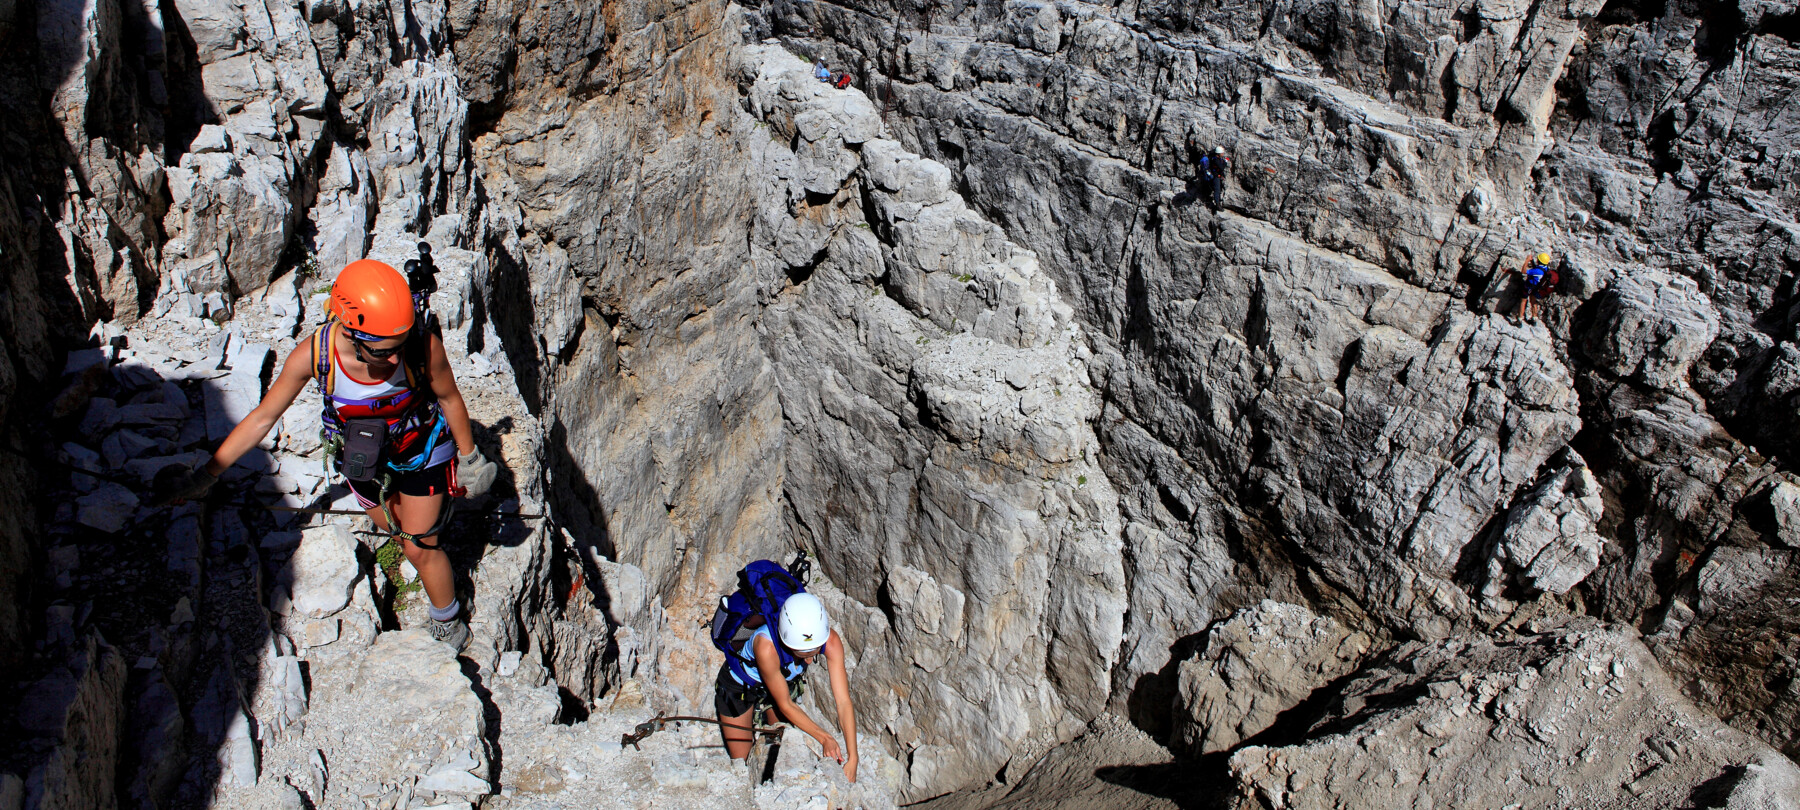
(324, 359)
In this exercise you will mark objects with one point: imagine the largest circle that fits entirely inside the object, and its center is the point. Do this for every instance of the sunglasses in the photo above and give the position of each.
(361, 340)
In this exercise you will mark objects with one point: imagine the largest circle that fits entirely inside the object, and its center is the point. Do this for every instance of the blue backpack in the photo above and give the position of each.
(763, 587)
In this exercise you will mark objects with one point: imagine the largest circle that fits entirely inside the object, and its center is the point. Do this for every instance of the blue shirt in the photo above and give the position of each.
(749, 652)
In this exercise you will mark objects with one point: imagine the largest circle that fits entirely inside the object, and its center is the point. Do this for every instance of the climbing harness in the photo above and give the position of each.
(357, 447)
(655, 724)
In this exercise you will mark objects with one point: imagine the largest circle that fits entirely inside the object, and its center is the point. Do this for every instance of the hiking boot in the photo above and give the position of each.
(454, 632)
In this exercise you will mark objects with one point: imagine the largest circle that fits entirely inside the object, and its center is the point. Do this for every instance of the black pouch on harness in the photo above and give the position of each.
(363, 443)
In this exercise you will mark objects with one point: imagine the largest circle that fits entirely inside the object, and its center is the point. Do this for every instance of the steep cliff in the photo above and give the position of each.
(1088, 467)
(1313, 393)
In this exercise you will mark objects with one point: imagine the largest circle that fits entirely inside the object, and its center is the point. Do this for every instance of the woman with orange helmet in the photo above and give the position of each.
(394, 423)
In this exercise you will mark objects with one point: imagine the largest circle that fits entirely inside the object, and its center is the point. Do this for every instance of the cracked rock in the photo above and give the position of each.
(1258, 663)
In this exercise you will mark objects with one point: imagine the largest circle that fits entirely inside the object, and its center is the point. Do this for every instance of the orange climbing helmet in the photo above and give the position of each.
(372, 298)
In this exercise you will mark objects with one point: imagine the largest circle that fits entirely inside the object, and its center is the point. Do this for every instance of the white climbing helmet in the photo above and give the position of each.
(1218, 150)
(803, 623)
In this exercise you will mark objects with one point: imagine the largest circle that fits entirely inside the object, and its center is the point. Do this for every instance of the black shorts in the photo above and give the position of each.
(731, 699)
(433, 480)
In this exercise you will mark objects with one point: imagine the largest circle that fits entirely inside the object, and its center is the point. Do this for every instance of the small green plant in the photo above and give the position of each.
(965, 278)
(1058, 391)
(389, 557)
(308, 266)
(1081, 480)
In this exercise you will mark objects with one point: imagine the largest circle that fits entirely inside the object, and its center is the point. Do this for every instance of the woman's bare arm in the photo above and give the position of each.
(443, 384)
(840, 694)
(294, 373)
(768, 663)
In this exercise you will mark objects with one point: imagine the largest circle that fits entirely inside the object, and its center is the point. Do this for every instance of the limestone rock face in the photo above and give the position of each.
(974, 514)
(1490, 723)
(236, 196)
(1651, 326)
(433, 726)
(1549, 539)
(1258, 663)
(967, 334)
(1323, 381)
(77, 706)
(319, 578)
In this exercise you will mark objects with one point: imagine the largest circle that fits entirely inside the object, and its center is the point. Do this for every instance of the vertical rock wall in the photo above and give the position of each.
(1313, 393)
(938, 457)
(774, 330)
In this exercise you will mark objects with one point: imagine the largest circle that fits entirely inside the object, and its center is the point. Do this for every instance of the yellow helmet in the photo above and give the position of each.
(1543, 258)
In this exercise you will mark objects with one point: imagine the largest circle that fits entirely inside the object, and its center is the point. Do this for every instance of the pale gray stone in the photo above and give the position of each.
(1486, 720)
(412, 688)
(1769, 782)
(217, 27)
(108, 508)
(1652, 325)
(211, 138)
(1784, 498)
(1258, 663)
(318, 579)
(1733, 575)
(1549, 542)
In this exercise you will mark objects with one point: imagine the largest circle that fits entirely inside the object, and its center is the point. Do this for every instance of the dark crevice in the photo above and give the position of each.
(1631, 12)
(799, 273)
(574, 709)
(491, 712)
(1786, 26)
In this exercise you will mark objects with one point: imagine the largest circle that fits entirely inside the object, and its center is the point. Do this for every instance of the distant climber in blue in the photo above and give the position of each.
(1213, 168)
(1540, 281)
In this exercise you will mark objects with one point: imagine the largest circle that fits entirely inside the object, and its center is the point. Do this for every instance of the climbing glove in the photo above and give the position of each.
(475, 473)
(176, 484)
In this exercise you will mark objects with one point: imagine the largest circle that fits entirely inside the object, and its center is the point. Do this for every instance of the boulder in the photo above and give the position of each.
(158, 729)
(1784, 499)
(413, 690)
(108, 508)
(1549, 542)
(318, 578)
(1733, 576)
(1258, 663)
(217, 27)
(221, 725)
(1651, 325)
(1578, 716)
(211, 138)
(1769, 782)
